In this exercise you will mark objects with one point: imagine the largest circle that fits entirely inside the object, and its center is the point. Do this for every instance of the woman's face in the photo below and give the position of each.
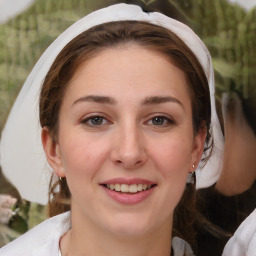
(125, 141)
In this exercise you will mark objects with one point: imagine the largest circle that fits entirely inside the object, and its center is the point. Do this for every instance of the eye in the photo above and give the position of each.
(160, 121)
(95, 121)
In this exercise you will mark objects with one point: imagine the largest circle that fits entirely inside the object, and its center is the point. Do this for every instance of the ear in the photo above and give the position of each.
(198, 147)
(52, 152)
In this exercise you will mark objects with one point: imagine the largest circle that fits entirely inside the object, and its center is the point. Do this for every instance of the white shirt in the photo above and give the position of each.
(243, 243)
(43, 240)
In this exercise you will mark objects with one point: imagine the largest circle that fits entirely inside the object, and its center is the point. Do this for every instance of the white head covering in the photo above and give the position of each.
(23, 160)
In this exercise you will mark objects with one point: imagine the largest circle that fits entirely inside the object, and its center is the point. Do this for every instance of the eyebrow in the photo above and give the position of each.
(159, 100)
(154, 100)
(97, 99)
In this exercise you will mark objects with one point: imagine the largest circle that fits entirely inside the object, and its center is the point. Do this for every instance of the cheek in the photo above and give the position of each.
(82, 156)
(82, 160)
(173, 156)
(172, 159)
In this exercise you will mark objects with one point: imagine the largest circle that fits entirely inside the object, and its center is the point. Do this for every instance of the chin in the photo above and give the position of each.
(126, 231)
(131, 226)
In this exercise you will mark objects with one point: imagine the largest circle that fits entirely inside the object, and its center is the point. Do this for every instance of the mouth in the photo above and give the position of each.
(129, 188)
(129, 191)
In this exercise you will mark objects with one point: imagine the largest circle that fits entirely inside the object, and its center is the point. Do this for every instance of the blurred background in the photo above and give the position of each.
(27, 27)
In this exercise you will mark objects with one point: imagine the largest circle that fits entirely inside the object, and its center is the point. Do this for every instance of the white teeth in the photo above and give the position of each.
(139, 187)
(125, 188)
(117, 187)
(133, 188)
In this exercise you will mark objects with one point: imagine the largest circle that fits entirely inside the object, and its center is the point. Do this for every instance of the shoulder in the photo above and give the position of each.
(181, 247)
(244, 240)
(40, 240)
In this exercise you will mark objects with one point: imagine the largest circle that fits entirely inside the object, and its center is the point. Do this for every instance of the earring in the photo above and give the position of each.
(192, 176)
(61, 180)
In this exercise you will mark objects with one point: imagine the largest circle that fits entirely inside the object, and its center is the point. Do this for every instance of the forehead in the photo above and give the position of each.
(128, 69)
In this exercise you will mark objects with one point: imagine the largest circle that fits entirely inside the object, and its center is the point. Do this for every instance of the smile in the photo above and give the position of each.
(126, 188)
(128, 191)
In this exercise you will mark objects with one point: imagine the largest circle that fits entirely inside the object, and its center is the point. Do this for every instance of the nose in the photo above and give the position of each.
(129, 148)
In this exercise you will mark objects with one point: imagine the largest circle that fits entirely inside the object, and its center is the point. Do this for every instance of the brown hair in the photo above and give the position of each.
(113, 34)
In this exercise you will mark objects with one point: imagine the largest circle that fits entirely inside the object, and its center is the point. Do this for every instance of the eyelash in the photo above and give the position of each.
(165, 121)
(88, 121)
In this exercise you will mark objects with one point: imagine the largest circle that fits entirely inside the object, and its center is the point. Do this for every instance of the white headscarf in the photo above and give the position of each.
(22, 157)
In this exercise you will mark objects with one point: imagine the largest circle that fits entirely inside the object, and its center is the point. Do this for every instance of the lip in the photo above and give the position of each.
(128, 198)
(128, 181)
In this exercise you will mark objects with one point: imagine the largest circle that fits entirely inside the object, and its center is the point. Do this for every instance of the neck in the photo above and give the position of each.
(84, 238)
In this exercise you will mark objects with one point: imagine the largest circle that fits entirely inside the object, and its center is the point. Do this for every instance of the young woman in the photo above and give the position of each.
(127, 114)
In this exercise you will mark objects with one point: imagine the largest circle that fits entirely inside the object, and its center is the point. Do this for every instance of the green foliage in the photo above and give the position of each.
(22, 41)
(24, 38)
(7, 234)
(227, 30)
(18, 224)
(230, 34)
(27, 215)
